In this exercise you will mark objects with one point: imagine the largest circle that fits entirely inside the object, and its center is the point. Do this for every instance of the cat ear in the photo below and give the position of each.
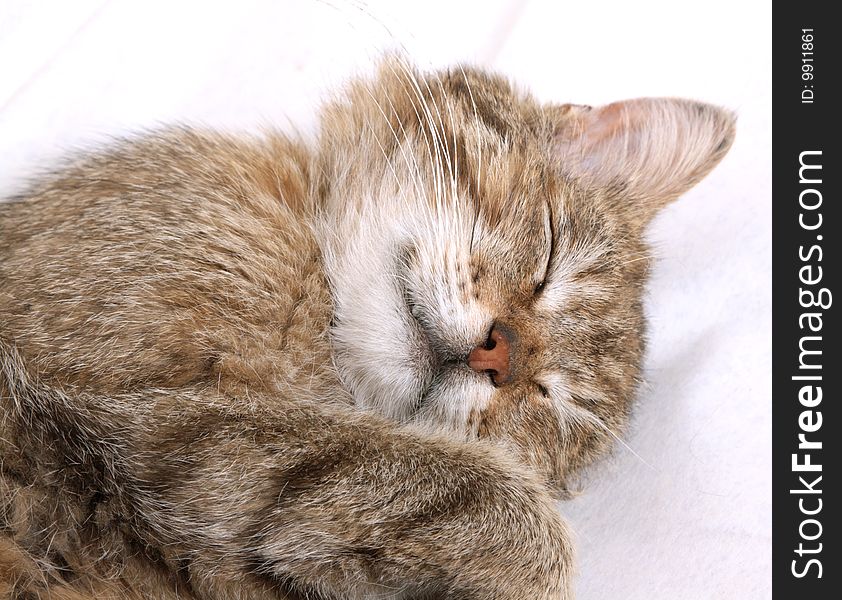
(649, 150)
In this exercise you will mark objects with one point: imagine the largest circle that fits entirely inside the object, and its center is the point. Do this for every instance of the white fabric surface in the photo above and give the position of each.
(682, 510)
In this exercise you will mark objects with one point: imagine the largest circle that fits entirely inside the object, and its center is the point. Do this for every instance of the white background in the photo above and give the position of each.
(684, 510)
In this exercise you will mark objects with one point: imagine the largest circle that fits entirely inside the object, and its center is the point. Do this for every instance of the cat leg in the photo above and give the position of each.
(236, 493)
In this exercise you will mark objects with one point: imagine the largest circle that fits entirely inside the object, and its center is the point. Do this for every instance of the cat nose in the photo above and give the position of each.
(494, 357)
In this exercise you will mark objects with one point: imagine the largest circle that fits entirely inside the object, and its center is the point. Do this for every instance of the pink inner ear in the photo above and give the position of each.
(593, 142)
(604, 122)
(615, 127)
(654, 148)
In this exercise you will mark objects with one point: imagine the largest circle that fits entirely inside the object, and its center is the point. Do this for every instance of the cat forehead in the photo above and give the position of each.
(474, 128)
(461, 96)
(460, 131)
(452, 114)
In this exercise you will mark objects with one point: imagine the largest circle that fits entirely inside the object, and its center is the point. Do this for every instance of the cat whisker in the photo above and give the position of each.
(577, 412)
(430, 152)
(634, 260)
(414, 169)
(399, 145)
(438, 163)
(478, 175)
(454, 170)
(390, 166)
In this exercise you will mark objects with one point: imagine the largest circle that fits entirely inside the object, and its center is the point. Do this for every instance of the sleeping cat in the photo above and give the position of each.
(365, 367)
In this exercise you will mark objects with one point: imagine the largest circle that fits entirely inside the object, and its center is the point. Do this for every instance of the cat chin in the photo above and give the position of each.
(455, 398)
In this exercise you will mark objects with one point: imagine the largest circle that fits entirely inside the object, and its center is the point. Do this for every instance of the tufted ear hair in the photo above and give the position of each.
(648, 151)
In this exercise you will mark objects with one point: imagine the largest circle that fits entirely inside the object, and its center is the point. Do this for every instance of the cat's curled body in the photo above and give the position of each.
(360, 367)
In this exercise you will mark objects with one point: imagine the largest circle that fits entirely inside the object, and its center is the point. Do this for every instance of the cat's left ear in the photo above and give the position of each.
(649, 151)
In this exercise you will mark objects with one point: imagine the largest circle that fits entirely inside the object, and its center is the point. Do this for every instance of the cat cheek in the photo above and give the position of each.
(529, 424)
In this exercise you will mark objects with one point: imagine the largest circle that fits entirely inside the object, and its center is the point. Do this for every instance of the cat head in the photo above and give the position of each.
(486, 252)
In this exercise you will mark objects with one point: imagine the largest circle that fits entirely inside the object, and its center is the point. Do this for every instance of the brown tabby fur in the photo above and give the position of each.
(189, 386)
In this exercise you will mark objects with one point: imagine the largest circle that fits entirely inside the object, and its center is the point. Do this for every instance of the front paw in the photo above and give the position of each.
(517, 548)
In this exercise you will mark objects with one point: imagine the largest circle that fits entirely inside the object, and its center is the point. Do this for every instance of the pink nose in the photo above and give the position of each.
(493, 357)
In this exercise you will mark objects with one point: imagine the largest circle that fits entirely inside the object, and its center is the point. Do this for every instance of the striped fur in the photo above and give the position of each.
(236, 367)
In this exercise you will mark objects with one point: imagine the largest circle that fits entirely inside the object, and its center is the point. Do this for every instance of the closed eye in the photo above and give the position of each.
(550, 237)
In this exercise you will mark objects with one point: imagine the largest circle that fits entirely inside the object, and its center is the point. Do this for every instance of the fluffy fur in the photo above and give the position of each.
(239, 367)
